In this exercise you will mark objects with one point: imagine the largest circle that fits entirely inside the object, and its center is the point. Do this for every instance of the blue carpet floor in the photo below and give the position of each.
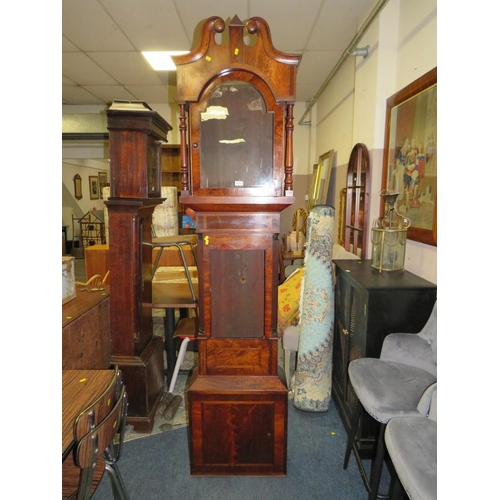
(157, 467)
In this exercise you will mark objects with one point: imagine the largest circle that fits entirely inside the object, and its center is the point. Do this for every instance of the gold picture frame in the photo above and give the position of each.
(320, 182)
(313, 188)
(410, 156)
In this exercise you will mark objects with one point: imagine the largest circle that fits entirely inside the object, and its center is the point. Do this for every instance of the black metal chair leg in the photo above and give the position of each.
(377, 464)
(169, 325)
(352, 433)
(397, 490)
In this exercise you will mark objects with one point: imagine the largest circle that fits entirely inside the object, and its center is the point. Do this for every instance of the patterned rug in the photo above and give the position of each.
(313, 376)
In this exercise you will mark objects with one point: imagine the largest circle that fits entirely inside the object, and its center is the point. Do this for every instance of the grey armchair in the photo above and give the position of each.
(412, 445)
(391, 386)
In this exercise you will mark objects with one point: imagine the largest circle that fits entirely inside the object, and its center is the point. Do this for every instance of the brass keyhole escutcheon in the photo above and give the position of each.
(206, 239)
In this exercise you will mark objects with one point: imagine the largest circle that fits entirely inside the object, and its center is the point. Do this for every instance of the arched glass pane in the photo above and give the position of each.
(236, 139)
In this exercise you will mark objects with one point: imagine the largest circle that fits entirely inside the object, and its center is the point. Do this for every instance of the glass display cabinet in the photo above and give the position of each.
(236, 103)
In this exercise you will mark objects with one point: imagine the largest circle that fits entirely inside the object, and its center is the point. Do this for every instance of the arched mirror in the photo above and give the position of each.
(357, 201)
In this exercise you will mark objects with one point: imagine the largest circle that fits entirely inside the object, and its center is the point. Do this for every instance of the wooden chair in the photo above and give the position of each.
(100, 408)
(286, 270)
(99, 446)
(85, 422)
(94, 280)
(105, 280)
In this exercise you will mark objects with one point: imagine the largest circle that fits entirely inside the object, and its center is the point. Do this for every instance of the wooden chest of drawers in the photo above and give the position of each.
(86, 339)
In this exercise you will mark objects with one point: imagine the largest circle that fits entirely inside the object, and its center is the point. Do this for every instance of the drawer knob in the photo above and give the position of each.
(345, 332)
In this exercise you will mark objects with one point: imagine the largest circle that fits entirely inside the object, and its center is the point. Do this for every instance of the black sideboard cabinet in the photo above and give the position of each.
(369, 305)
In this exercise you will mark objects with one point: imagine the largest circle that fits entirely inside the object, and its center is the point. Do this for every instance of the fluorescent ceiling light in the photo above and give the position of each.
(161, 61)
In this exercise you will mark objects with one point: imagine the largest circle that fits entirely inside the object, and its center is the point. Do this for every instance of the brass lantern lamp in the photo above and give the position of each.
(389, 236)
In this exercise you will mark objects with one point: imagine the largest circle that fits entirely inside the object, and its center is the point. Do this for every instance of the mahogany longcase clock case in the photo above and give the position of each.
(236, 103)
(136, 134)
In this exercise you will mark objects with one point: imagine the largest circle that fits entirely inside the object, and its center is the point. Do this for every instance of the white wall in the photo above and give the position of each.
(403, 47)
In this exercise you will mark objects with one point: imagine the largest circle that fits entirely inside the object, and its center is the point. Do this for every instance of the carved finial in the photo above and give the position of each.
(235, 21)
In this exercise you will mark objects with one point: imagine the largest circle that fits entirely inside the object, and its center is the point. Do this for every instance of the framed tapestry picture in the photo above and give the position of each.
(94, 187)
(410, 156)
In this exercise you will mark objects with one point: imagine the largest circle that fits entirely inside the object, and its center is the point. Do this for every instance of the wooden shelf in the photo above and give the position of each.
(171, 165)
(171, 171)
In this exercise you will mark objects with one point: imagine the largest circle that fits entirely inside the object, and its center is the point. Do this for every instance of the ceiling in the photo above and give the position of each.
(102, 41)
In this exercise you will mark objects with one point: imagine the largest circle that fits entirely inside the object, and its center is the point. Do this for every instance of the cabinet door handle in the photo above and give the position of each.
(345, 332)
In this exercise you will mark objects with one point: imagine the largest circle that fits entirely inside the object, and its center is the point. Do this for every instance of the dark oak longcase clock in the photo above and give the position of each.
(236, 127)
(136, 135)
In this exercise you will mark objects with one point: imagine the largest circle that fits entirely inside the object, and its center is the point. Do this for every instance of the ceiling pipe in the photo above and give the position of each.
(351, 50)
(361, 51)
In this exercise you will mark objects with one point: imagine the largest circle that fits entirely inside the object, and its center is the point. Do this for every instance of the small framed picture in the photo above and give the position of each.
(103, 181)
(94, 187)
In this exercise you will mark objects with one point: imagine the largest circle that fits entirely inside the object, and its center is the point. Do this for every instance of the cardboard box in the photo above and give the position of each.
(68, 279)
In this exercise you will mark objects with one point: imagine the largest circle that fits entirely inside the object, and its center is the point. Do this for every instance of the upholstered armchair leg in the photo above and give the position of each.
(377, 464)
(352, 433)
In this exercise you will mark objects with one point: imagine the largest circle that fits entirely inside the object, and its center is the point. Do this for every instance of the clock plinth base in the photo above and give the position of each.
(144, 378)
(238, 426)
